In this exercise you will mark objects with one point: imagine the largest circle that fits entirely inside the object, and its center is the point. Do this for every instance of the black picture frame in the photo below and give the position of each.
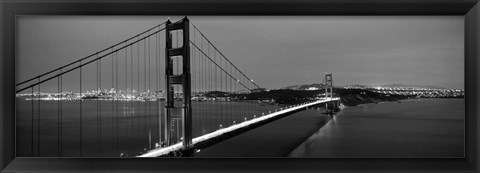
(9, 9)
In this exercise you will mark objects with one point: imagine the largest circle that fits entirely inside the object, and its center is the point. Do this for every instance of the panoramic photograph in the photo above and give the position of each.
(240, 86)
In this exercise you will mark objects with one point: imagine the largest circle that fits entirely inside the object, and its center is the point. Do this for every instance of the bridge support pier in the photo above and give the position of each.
(332, 107)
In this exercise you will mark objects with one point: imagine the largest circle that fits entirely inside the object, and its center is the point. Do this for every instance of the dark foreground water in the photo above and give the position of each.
(113, 128)
(412, 128)
(275, 139)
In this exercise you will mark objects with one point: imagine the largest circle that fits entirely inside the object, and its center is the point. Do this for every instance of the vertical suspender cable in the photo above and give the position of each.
(249, 94)
(58, 117)
(210, 86)
(227, 106)
(234, 91)
(98, 114)
(204, 70)
(160, 86)
(199, 86)
(116, 101)
(145, 88)
(81, 112)
(232, 83)
(149, 85)
(126, 108)
(61, 113)
(100, 104)
(214, 103)
(228, 109)
(235, 88)
(209, 70)
(203, 86)
(223, 93)
(250, 101)
(111, 98)
(126, 68)
(192, 84)
(156, 80)
(138, 87)
(232, 112)
(38, 121)
(232, 96)
(161, 73)
(195, 114)
(215, 84)
(132, 106)
(230, 120)
(31, 121)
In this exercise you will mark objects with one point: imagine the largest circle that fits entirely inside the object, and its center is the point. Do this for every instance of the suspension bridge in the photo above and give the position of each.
(163, 90)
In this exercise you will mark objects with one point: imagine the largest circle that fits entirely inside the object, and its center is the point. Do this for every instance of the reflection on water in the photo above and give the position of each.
(327, 131)
(414, 128)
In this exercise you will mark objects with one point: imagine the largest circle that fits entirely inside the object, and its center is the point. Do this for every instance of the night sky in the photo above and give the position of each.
(274, 51)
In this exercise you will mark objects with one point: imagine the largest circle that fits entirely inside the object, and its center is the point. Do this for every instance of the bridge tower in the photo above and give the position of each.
(183, 80)
(330, 107)
(328, 86)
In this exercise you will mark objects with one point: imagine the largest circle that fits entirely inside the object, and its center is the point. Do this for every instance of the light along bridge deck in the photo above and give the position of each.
(178, 146)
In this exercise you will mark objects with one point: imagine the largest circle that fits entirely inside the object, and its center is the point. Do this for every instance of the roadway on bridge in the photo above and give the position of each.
(275, 139)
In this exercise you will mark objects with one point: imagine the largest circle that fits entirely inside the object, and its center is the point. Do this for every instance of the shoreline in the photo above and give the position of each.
(404, 100)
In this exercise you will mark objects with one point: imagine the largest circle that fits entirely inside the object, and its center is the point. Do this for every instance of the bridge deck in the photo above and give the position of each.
(163, 151)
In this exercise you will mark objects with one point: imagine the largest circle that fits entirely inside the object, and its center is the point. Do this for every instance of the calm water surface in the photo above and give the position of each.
(412, 128)
(110, 128)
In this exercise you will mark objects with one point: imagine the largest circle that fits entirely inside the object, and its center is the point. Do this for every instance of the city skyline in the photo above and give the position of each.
(274, 51)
